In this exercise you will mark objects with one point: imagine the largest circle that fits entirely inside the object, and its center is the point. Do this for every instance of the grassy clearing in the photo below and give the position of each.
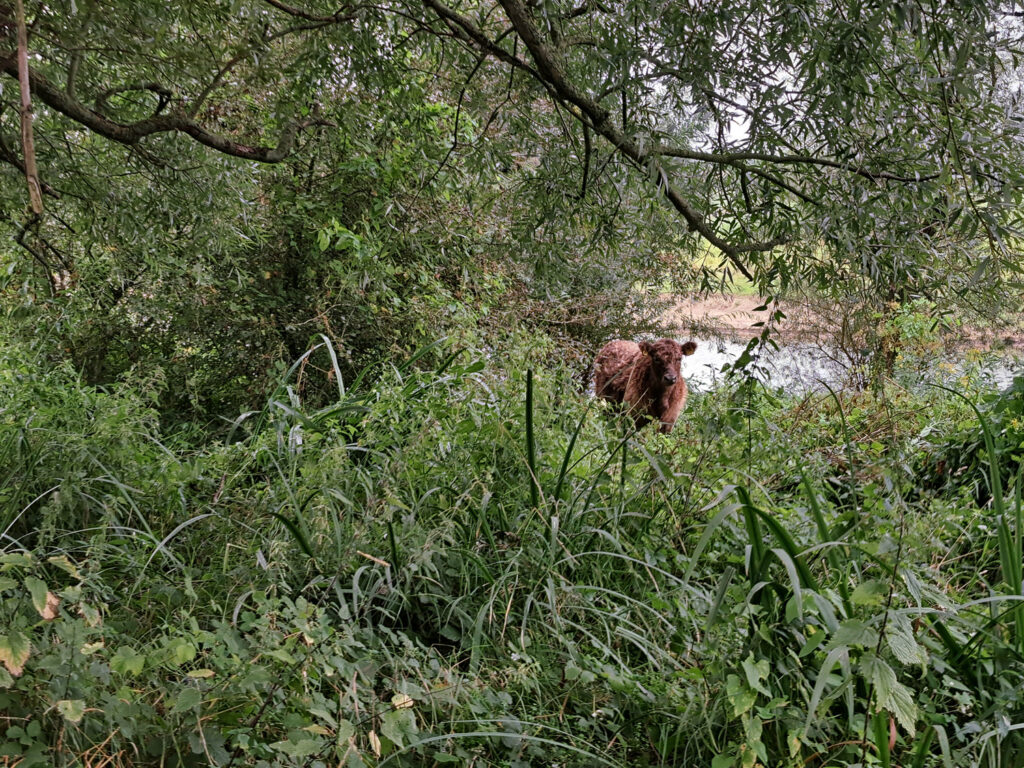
(473, 565)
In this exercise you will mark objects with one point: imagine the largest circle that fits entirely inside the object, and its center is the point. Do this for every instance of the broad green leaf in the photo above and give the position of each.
(904, 647)
(302, 748)
(14, 651)
(127, 661)
(854, 632)
(188, 699)
(871, 592)
(890, 694)
(756, 672)
(182, 651)
(739, 695)
(44, 601)
(344, 731)
(73, 710)
(399, 725)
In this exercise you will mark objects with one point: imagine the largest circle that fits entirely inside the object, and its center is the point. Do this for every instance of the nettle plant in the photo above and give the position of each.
(51, 629)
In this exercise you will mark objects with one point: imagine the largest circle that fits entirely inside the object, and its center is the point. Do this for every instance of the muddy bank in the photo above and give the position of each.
(739, 318)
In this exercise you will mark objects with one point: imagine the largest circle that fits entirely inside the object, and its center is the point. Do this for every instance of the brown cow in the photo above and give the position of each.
(645, 377)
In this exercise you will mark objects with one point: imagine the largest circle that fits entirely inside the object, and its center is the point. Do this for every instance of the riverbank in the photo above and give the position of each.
(739, 317)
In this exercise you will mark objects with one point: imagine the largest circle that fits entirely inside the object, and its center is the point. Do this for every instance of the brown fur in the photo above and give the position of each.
(645, 377)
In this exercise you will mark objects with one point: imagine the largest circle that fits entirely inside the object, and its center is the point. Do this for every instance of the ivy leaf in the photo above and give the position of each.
(14, 651)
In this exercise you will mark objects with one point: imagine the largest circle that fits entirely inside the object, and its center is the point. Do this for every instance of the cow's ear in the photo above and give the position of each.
(689, 347)
(645, 347)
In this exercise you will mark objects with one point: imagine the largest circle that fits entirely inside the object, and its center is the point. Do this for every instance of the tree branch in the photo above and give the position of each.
(28, 148)
(731, 158)
(549, 72)
(550, 69)
(131, 134)
(7, 155)
(345, 13)
(163, 93)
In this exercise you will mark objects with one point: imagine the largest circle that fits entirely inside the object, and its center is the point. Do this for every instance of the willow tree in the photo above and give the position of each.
(860, 145)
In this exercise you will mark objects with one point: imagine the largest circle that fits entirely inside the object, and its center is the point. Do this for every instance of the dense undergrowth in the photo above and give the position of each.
(473, 564)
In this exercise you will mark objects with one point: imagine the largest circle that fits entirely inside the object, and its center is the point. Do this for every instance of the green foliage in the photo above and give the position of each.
(418, 571)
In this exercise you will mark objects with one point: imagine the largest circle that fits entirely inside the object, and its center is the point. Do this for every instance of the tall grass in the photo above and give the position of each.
(469, 565)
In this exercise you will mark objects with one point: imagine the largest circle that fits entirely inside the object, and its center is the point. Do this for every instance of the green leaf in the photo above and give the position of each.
(344, 731)
(399, 725)
(73, 710)
(188, 699)
(65, 564)
(871, 592)
(127, 661)
(14, 651)
(854, 632)
(756, 672)
(444, 757)
(903, 645)
(182, 651)
(304, 747)
(890, 694)
(44, 601)
(739, 695)
(16, 559)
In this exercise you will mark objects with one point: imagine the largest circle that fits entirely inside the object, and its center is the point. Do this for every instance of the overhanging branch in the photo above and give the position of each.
(550, 68)
(131, 134)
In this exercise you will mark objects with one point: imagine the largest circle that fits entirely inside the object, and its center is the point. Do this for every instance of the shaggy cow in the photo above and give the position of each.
(645, 377)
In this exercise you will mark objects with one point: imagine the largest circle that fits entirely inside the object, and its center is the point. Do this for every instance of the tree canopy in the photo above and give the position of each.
(852, 146)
